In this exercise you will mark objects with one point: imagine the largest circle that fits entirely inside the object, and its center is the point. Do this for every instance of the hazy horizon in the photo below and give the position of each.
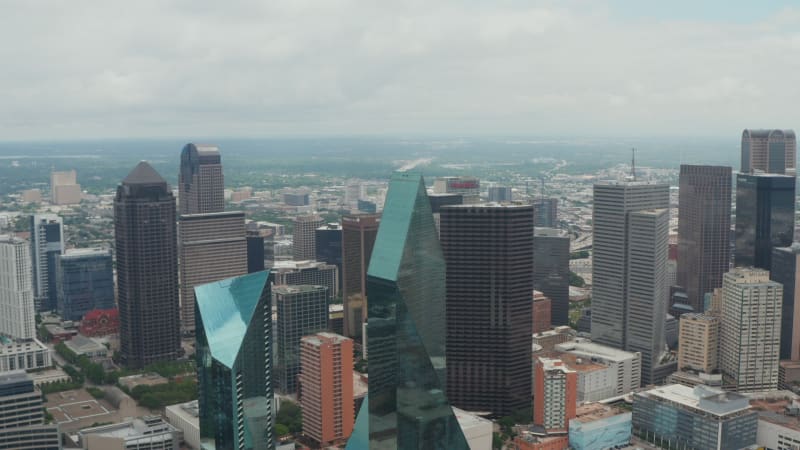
(299, 68)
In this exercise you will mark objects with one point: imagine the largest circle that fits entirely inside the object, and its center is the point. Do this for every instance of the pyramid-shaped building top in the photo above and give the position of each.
(226, 308)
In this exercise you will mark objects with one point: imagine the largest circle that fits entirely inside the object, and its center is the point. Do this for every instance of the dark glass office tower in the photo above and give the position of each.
(47, 243)
(255, 251)
(489, 255)
(704, 223)
(329, 246)
(302, 310)
(201, 185)
(84, 281)
(764, 217)
(147, 268)
(551, 271)
(407, 405)
(545, 212)
(785, 270)
(234, 363)
(358, 239)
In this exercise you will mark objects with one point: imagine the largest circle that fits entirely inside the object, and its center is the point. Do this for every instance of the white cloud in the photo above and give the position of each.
(245, 67)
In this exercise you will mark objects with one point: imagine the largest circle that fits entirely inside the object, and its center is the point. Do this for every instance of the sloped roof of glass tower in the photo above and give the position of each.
(226, 308)
(398, 210)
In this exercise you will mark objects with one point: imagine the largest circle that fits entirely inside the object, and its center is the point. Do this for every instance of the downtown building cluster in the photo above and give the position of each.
(458, 310)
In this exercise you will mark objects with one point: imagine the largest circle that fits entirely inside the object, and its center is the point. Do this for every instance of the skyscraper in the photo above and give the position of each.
(786, 271)
(47, 242)
(147, 268)
(304, 242)
(302, 310)
(255, 251)
(768, 151)
(326, 387)
(698, 347)
(750, 330)
(407, 407)
(629, 257)
(84, 281)
(545, 212)
(64, 188)
(488, 251)
(201, 184)
(213, 246)
(551, 270)
(17, 315)
(467, 186)
(499, 194)
(234, 363)
(358, 239)
(329, 246)
(764, 217)
(704, 223)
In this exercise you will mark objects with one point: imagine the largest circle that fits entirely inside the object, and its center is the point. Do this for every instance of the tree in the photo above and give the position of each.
(281, 429)
(576, 280)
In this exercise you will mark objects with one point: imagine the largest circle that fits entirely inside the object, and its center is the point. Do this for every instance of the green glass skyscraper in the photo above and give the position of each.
(234, 363)
(407, 405)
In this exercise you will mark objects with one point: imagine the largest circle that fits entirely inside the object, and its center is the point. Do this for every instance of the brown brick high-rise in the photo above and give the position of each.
(147, 268)
(358, 239)
(488, 251)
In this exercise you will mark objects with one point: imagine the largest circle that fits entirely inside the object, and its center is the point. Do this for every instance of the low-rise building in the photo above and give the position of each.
(146, 433)
(477, 430)
(778, 419)
(84, 346)
(598, 427)
(100, 322)
(185, 417)
(547, 340)
(622, 376)
(24, 355)
(678, 416)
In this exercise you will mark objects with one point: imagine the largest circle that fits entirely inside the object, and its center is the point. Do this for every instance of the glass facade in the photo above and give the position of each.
(407, 405)
(672, 425)
(610, 432)
(84, 281)
(764, 217)
(234, 364)
(302, 310)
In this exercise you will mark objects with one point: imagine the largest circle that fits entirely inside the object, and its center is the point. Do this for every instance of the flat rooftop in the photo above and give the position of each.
(590, 348)
(701, 398)
(590, 412)
(577, 363)
(777, 408)
(15, 347)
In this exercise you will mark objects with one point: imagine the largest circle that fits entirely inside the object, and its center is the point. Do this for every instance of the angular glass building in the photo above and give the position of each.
(407, 406)
(234, 363)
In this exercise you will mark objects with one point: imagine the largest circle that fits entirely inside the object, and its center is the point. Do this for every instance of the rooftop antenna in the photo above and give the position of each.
(633, 164)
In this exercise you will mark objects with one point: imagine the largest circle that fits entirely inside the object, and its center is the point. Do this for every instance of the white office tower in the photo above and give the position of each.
(750, 333)
(17, 316)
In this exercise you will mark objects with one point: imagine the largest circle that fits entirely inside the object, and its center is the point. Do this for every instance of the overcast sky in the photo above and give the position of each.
(197, 68)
